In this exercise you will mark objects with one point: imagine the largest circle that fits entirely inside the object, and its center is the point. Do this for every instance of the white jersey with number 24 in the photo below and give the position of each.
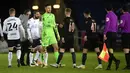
(12, 27)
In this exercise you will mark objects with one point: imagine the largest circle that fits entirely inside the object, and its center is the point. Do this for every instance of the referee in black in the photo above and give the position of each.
(125, 26)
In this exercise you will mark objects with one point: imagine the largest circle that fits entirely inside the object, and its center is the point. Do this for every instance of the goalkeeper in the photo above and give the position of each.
(48, 31)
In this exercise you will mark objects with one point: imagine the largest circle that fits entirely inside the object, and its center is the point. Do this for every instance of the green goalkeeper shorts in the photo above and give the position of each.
(48, 38)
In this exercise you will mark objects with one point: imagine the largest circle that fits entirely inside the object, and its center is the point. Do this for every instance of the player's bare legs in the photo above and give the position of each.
(97, 50)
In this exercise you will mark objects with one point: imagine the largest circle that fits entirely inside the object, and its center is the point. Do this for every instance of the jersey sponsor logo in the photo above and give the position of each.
(13, 34)
(107, 19)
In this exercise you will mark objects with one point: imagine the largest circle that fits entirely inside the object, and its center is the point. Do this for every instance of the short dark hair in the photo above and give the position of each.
(87, 11)
(47, 5)
(125, 8)
(26, 11)
(108, 7)
(11, 10)
(36, 11)
(68, 10)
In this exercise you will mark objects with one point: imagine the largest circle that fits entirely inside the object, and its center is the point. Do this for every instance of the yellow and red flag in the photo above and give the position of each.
(104, 55)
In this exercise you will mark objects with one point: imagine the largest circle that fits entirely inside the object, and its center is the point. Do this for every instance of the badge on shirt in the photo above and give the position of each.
(107, 19)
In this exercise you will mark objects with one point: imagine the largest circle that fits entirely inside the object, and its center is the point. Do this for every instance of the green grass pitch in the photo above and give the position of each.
(91, 63)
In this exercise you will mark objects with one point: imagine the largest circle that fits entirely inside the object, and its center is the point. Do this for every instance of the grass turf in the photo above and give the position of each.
(91, 63)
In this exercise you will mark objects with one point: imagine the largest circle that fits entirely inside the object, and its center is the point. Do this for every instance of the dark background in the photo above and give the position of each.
(78, 6)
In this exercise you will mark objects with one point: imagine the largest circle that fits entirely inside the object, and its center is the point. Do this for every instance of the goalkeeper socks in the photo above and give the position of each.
(127, 59)
(60, 57)
(36, 56)
(45, 58)
(31, 57)
(84, 57)
(18, 54)
(110, 62)
(56, 54)
(42, 57)
(74, 57)
(10, 58)
(99, 60)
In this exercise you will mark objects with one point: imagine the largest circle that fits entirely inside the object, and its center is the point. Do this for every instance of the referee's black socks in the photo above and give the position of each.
(113, 57)
(109, 63)
(127, 58)
(84, 57)
(99, 60)
(110, 60)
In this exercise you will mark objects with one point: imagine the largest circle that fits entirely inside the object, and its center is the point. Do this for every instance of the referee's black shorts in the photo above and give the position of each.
(125, 40)
(111, 40)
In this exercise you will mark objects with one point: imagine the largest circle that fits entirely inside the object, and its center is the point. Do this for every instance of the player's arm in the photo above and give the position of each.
(73, 26)
(29, 32)
(93, 26)
(88, 24)
(21, 18)
(55, 28)
(5, 27)
(44, 18)
(122, 22)
(106, 26)
(21, 29)
(63, 35)
(40, 29)
(1, 31)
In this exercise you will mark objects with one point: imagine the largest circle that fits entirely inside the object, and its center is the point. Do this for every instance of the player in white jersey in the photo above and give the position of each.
(34, 31)
(12, 27)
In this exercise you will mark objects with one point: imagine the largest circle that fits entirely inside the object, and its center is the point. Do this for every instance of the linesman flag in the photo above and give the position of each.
(104, 55)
